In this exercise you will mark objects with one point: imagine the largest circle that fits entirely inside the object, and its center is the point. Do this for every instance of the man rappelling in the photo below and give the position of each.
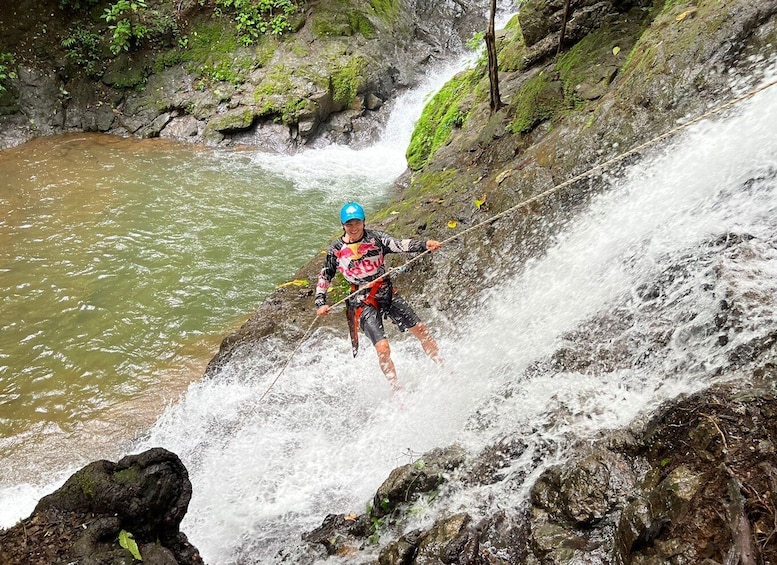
(360, 256)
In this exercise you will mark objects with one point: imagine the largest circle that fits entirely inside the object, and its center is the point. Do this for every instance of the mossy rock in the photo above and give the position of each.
(347, 81)
(342, 23)
(538, 99)
(535, 19)
(126, 73)
(512, 50)
(386, 9)
(234, 120)
(447, 110)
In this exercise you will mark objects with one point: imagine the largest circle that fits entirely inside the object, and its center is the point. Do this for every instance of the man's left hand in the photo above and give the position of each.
(433, 245)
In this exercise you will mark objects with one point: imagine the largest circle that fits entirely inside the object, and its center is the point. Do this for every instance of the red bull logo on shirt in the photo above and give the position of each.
(355, 251)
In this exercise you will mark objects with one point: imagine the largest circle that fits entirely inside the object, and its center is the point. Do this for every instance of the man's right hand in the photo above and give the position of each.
(323, 310)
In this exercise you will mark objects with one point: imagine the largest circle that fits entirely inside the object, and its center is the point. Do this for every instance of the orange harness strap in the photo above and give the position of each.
(369, 299)
(354, 314)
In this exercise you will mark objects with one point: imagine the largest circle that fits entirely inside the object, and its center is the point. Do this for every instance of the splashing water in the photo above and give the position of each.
(650, 293)
(622, 312)
(124, 262)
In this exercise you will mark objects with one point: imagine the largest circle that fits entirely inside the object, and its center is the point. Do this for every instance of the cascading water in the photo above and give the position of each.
(652, 292)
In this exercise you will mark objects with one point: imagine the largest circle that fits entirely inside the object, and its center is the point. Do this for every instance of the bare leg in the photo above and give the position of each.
(386, 364)
(427, 342)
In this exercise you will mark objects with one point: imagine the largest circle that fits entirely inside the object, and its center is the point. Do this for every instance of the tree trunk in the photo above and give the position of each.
(563, 28)
(493, 65)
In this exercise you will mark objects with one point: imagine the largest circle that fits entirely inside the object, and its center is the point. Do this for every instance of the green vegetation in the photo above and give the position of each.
(127, 541)
(77, 5)
(7, 66)
(538, 99)
(83, 48)
(213, 52)
(339, 288)
(445, 112)
(386, 9)
(476, 41)
(131, 475)
(133, 22)
(342, 23)
(512, 52)
(255, 18)
(347, 80)
(126, 25)
(276, 96)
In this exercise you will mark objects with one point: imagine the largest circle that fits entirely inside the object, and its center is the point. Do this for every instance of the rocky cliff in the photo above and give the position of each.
(325, 82)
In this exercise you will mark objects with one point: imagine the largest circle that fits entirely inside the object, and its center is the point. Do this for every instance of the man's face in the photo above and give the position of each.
(354, 228)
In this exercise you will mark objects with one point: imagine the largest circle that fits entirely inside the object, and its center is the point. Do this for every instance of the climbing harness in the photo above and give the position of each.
(353, 313)
(595, 169)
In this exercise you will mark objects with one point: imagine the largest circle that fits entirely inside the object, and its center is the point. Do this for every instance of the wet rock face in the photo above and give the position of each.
(693, 484)
(146, 495)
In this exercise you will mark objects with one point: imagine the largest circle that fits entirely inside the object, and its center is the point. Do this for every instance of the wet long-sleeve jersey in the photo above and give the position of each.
(362, 262)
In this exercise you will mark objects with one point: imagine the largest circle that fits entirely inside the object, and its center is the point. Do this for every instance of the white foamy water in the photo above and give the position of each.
(328, 433)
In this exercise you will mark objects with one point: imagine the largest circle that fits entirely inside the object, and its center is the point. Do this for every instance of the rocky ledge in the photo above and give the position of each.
(694, 483)
(108, 514)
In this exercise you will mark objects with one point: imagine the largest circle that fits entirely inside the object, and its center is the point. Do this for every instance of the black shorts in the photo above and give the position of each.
(400, 312)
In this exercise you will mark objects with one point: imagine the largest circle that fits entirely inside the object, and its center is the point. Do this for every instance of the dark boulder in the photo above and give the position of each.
(145, 495)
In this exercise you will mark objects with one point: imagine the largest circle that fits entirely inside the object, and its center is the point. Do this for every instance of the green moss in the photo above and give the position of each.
(342, 23)
(434, 182)
(669, 4)
(538, 99)
(514, 23)
(211, 38)
(86, 481)
(234, 120)
(576, 65)
(441, 115)
(167, 59)
(131, 77)
(347, 80)
(512, 52)
(277, 82)
(275, 96)
(386, 9)
(128, 476)
(214, 52)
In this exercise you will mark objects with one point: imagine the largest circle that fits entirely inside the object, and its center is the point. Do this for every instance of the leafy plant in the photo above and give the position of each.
(127, 541)
(126, 26)
(476, 41)
(82, 48)
(254, 18)
(77, 5)
(7, 65)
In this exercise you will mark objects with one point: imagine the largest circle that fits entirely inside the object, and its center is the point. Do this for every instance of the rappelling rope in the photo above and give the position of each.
(527, 202)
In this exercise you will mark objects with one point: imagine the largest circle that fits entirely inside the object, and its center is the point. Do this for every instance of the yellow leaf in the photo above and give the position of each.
(479, 203)
(616, 50)
(297, 282)
(685, 14)
(452, 224)
(503, 175)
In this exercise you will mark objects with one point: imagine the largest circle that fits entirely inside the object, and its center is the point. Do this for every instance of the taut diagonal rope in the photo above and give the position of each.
(595, 169)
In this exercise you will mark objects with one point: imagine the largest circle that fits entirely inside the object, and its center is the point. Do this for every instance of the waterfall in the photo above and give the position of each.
(648, 294)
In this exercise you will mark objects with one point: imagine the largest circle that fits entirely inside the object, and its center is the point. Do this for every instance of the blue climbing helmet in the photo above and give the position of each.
(351, 211)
